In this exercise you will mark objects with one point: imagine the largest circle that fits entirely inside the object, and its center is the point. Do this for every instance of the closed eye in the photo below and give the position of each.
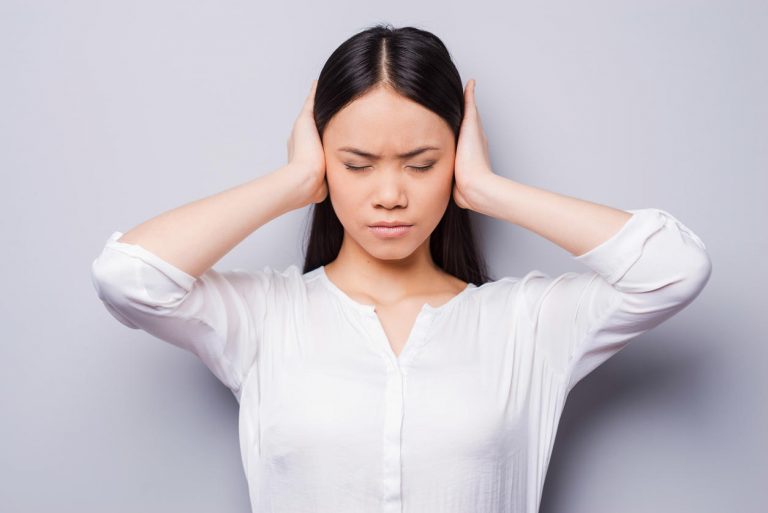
(422, 168)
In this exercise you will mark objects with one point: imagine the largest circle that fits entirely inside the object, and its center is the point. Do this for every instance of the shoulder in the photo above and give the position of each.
(528, 288)
(267, 281)
(497, 290)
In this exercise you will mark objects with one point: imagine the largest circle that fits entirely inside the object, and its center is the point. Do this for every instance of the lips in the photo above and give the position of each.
(390, 224)
(390, 232)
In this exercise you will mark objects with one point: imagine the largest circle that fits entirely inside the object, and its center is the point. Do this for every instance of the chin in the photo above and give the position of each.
(389, 253)
(393, 249)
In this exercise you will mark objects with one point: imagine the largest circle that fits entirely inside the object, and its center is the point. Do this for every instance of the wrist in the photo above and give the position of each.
(295, 184)
(307, 184)
(481, 192)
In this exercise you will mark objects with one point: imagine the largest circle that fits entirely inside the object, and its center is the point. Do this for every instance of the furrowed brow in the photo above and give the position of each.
(406, 155)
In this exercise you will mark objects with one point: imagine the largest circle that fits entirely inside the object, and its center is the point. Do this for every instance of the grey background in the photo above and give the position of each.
(113, 112)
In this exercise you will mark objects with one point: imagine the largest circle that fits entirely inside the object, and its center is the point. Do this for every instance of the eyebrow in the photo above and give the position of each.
(407, 154)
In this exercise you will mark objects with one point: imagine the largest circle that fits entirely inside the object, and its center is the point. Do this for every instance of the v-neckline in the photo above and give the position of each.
(417, 332)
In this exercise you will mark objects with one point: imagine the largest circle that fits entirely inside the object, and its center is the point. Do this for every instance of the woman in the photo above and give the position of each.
(391, 374)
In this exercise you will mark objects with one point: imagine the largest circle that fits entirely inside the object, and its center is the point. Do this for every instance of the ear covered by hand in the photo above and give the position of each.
(306, 157)
(472, 160)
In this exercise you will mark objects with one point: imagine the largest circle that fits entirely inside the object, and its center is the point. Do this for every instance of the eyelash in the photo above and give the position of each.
(420, 169)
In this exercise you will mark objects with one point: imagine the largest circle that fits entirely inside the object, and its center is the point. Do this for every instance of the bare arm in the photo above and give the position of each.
(195, 236)
(574, 224)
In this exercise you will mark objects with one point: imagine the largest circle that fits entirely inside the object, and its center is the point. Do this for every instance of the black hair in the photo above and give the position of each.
(416, 64)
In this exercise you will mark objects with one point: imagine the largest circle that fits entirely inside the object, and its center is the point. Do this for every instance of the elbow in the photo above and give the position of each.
(689, 258)
(699, 272)
(672, 268)
(103, 279)
(696, 262)
(124, 282)
(692, 276)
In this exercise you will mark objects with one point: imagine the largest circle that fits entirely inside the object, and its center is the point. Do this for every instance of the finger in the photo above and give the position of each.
(309, 103)
(470, 108)
(474, 102)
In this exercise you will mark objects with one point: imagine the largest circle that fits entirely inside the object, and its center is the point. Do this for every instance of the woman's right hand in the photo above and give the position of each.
(305, 152)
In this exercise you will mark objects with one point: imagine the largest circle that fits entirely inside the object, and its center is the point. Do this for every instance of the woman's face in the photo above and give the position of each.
(389, 186)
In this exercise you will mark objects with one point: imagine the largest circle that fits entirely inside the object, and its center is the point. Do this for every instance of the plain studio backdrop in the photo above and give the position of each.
(113, 112)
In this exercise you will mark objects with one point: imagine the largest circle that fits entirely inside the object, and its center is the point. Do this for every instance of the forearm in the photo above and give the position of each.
(575, 225)
(194, 236)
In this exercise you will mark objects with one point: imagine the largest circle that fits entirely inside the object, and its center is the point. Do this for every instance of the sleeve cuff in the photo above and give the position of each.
(615, 256)
(181, 278)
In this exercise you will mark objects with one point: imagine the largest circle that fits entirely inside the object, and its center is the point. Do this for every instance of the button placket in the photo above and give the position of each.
(394, 398)
(393, 420)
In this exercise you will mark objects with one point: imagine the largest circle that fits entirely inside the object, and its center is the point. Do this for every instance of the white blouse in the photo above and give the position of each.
(464, 420)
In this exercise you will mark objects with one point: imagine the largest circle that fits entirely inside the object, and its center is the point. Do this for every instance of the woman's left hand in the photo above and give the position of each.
(472, 164)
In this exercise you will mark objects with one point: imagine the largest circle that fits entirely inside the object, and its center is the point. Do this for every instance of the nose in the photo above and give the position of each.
(390, 189)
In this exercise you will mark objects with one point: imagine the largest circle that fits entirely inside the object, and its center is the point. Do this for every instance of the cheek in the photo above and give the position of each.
(429, 200)
(343, 194)
(439, 190)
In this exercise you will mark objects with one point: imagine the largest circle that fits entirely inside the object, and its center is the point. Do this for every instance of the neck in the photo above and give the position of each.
(381, 280)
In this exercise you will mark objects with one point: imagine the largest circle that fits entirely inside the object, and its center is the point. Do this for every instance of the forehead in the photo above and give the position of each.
(382, 119)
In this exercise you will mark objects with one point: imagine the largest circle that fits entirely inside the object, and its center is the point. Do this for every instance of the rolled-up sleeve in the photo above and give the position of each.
(217, 316)
(648, 271)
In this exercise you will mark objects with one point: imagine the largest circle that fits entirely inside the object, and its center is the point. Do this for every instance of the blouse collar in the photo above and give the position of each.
(371, 309)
